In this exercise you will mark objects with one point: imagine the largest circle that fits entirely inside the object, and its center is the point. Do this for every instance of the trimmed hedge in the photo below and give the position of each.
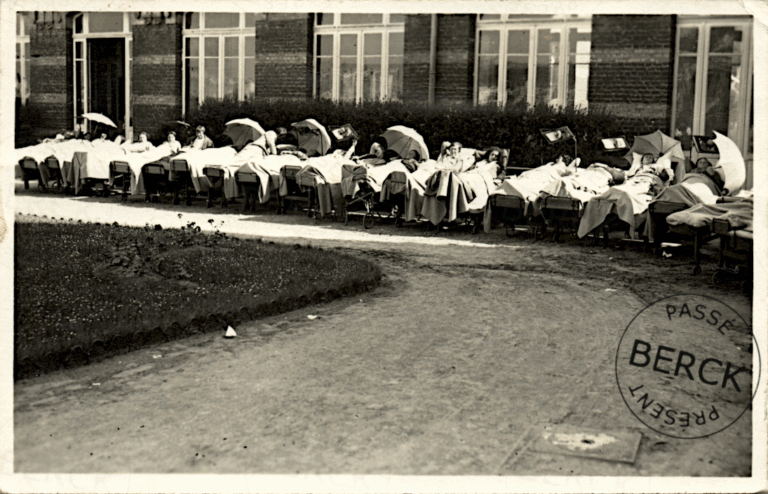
(516, 128)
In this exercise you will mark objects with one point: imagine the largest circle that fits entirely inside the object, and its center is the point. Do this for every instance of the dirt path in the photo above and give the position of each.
(469, 348)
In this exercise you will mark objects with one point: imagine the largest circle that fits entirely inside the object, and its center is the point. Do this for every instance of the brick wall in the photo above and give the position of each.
(284, 49)
(631, 69)
(155, 76)
(455, 58)
(50, 78)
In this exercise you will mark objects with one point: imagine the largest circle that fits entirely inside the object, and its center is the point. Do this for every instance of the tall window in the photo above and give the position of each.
(713, 79)
(359, 57)
(23, 27)
(219, 56)
(532, 60)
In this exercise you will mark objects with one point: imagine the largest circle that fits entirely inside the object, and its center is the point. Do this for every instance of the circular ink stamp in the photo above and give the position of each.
(684, 366)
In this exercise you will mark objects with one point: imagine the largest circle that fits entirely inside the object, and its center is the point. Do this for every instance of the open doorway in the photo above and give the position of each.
(106, 61)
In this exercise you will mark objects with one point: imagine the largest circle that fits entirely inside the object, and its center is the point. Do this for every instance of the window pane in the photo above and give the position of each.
(371, 78)
(231, 46)
(396, 44)
(18, 24)
(192, 76)
(490, 17)
(192, 20)
(397, 18)
(689, 40)
(518, 41)
(79, 24)
(193, 47)
(517, 80)
(686, 86)
(725, 39)
(18, 77)
(18, 51)
(249, 78)
(547, 65)
(78, 50)
(218, 20)
(250, 46)
(372, 44)
(579, 44)
(231, 77)
(105, 22)
(79, 89)
(348, 45)
(325, 45)
(211, 47)
(348, 79)
(362, 18)
(488, 79)
(324, 19)
(324, 77)
(211, 82)
(723, 90)
(27, 18)
(395, 78)
(489, 42)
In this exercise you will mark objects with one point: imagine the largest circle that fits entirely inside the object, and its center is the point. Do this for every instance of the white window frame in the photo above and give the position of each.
(704, 26)
(385, 28)
(83, 37)
(221, 33)
(22, 39)
(532, 24)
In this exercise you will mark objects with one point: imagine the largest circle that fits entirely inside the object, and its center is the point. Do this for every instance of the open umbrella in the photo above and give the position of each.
(657, 144)
(98, 117)
(243, 131)
(312, 136)
(404, 139)
(730, 164)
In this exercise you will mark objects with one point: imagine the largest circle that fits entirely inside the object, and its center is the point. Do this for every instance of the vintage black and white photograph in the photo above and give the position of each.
(490, 242)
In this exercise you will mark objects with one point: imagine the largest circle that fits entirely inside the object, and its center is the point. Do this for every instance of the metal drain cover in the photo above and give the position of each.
(588, 443)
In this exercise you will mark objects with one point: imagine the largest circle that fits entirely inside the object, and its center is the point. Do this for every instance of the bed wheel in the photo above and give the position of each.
(398, 222)
(176, 201)
(58, 188)
(124, 197)
(368, 221)
(156, 198)
(209, 203)
(147, 197)
(509, 230)
(224, 203)
(26, 184)
(105, 191)
(717, 277)
(696, 270)
(475, 227)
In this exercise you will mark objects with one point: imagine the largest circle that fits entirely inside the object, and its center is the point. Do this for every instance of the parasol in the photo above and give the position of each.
(99, 118)
(403, 140)
(657, 144)
(242, 131)
(312, 136)
(731, 163)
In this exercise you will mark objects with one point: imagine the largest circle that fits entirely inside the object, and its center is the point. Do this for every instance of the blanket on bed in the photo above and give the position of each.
(199, 159)
(136, 162)
(738, 214)
(693, 190)
(582, 186)
(268, 169)
(628, 201)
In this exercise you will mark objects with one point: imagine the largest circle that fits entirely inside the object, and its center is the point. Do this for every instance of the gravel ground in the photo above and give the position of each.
(468, 349)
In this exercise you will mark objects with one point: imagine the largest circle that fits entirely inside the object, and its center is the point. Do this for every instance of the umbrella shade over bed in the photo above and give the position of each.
(657, 144)
(312, 136)
(243, 130)
(403, 140)
(98, 117)
(730, 164)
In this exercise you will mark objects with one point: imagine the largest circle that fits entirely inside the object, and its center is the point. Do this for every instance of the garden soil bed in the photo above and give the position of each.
(87, 291)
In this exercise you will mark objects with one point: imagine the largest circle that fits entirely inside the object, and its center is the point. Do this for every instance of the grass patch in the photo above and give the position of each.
(84, 291)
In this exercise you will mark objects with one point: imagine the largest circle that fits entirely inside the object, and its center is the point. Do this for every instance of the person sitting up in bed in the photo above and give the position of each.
(268, 141)
(449, 158)
(141, 146)
(491, 157)
(173, 144)
(200, 141)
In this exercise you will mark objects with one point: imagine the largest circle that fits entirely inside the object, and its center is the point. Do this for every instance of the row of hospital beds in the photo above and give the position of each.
(555, 197)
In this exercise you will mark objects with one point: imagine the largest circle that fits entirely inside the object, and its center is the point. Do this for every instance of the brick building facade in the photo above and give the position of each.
(628, 63)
